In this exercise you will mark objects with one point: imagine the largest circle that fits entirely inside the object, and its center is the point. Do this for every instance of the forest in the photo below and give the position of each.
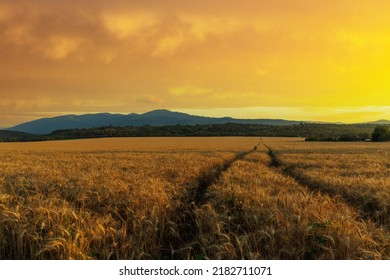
(309, 131)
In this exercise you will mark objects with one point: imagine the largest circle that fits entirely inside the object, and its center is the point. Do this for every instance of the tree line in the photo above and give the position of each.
(311, 132)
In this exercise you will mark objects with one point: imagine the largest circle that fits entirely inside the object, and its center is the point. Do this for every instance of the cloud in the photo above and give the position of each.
(185, 30)
(59, 47)
(201, 27)
(190, 90)
(354, 114)
(331, 114)
(168, 45)
(108, 55)
(150, 99)
(4, 12)
(125, 25)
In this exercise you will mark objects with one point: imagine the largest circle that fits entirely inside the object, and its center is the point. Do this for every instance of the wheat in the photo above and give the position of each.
(194, 198)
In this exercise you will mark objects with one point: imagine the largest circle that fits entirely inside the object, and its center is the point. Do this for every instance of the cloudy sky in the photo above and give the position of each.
(297, 59)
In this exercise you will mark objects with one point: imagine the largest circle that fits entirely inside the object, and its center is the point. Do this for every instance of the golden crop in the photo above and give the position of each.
(193, 198)
(359, 173)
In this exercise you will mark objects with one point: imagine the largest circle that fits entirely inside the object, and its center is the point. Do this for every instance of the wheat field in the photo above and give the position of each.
(194, 198)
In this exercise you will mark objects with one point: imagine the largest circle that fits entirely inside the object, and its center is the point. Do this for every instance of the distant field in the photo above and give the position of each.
(194, 198)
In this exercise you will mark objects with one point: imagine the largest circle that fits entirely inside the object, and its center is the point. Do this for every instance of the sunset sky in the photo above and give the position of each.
(294, 59)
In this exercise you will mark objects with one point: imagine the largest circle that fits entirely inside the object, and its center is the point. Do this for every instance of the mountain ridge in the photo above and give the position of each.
(160, 117)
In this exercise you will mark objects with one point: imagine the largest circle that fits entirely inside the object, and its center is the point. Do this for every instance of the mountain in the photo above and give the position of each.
(153, 118)
(379, 122)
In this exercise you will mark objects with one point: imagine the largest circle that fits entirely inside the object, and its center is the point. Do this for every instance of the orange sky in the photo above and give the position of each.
(295, 59)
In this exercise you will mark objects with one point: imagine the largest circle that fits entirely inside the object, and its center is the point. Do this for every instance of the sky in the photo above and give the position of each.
(294, 59)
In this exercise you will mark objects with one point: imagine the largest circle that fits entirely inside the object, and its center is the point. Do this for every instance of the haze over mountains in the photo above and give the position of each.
(379, 122)
(153, 118)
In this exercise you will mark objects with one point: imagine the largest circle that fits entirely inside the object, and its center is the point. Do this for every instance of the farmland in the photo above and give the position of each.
(194, 198)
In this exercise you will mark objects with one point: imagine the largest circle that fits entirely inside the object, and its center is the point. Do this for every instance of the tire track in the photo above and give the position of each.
(181, 241)
(207, 179)
(368, 209)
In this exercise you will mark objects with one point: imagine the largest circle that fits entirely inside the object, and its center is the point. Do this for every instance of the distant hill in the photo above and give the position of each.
(7, 136)
(379, 122)
(153, 118)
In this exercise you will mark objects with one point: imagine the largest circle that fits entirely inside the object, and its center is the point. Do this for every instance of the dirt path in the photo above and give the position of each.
(251, 207)
(368, 208)
(182, 241)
